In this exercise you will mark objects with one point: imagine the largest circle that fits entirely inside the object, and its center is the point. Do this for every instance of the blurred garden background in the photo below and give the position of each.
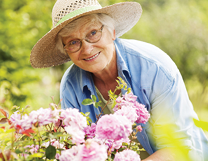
(178, 27)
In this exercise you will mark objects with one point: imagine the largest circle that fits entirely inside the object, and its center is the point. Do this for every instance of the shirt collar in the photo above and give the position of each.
(86, 80)
(121, 57)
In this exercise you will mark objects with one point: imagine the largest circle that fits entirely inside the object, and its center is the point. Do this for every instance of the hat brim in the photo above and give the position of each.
(125, 15)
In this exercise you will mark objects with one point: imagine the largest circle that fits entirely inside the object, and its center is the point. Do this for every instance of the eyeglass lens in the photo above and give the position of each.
(92, 37)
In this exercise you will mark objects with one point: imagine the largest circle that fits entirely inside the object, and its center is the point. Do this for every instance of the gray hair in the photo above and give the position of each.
(96, 17)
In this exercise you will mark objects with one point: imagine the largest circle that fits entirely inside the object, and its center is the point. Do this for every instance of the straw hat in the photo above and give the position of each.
(43, 54)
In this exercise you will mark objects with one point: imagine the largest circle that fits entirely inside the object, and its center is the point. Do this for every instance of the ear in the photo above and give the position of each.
(114, 35)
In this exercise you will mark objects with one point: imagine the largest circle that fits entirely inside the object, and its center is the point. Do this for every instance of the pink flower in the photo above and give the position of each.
(119, 102)
(119, 99)
(24, 121)
(129, 100)
(143, 114)
(139, 128)
(56, 116)
(57, 156)
(116, 107)
(129, 112)
(15, 117)
(42, 116)
(70, 154)
(90, 131)
(130, 97)
(127, 155)
(113, 127)
(92, 151)
(116, 144)
(72, 117)
(30, 148)
(76, 134)
(55, 143)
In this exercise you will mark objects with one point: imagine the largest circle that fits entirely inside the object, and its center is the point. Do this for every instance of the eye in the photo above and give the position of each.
(93, 32)
(74, 42)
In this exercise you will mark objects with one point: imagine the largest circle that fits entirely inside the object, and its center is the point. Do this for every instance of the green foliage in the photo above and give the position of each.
(50, 152)
(92, 101)
(201, 124)
(87, 101)
(178, 28)
(112, 96)
(20, 28)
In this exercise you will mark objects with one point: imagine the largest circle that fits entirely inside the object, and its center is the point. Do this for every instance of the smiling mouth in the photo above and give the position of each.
(92, 57)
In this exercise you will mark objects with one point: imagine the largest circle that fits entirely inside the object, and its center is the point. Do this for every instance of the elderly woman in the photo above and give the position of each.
(87, 34)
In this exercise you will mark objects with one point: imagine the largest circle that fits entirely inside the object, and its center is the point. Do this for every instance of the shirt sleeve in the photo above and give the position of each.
(65, 103)
(171, 122)
(67, 95)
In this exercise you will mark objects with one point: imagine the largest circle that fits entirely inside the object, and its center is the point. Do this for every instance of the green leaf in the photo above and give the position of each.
(110, 92)
(125, 144)
(121, 86)
(52, 136)
(1, 130)
(89, 119)
(82, 113)
(58, 134)
(41, 150)
(15, 108)
(17, 151)
(35, 155)
(117, 81)
(114, 103)
(87, 114)
(87, 101)
(202, 124)
(97, 104)
(138, 152)
(134, 125)
(10, 130)
(50, 152)
(128, 90)
(39, 159)
(93, 98)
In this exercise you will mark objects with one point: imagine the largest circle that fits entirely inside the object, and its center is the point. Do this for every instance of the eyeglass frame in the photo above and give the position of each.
(80, 40)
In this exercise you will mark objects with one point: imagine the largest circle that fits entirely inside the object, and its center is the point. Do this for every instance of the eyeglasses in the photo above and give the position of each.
(92, 37)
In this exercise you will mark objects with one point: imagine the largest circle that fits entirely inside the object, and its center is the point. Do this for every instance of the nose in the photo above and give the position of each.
(86, 47)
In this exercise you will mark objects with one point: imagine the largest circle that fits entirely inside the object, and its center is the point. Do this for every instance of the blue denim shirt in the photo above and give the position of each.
(157, 82)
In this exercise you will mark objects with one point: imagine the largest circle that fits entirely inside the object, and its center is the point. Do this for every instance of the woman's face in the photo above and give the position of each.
(92, 57)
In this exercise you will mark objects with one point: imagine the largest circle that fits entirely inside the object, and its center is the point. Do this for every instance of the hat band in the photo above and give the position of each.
(77, 12)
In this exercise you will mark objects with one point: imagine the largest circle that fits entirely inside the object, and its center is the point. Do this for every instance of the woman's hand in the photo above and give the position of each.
(168, 154)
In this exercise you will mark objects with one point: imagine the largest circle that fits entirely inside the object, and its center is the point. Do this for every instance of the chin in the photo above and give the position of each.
(96, 70)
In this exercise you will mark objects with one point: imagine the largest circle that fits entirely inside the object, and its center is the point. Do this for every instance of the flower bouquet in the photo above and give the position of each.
(69, 135)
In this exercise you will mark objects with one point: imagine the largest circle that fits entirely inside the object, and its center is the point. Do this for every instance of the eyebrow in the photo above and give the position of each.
(89, 28)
